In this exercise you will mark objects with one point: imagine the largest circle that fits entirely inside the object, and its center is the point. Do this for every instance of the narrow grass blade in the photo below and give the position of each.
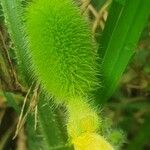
(125, 23)
(49, 135)
(13, 12)
(13, 100)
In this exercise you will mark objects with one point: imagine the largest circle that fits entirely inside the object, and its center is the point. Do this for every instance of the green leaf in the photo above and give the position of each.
(1, 15)
(11, 99)
(50, 133)
(13, 12)
(97, 3)
(123, 28)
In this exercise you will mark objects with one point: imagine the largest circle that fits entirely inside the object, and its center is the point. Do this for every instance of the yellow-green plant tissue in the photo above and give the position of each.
(63, 52)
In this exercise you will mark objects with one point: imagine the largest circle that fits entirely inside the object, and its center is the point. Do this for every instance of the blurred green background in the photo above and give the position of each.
(129, 107)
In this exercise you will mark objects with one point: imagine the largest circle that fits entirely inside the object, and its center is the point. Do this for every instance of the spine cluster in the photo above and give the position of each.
(64, 60)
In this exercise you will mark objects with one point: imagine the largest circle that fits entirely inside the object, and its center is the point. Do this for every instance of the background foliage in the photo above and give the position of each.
(129, 107)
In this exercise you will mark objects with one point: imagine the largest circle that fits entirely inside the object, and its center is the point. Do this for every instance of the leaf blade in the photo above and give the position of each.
(127, 29)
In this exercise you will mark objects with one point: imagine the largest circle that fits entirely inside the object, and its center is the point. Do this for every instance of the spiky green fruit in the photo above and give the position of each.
(62, 50)
(82, 118)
